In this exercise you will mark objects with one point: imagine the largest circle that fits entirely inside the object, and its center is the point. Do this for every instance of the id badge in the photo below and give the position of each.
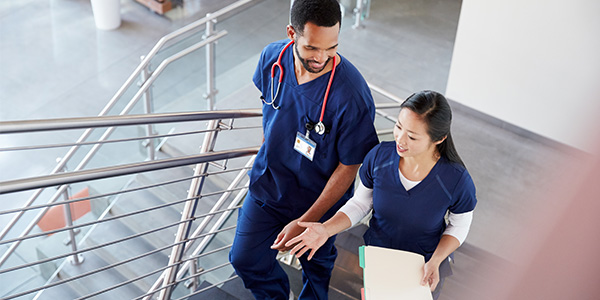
(305, 146)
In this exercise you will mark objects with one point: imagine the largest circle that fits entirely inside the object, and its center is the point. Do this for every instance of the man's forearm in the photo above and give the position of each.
(336, 186)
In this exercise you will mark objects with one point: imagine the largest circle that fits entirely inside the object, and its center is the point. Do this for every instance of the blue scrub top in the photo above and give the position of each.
(413, 220)
(283, 178)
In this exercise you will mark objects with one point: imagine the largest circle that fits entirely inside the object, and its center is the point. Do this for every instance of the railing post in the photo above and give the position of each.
(192, 283)
(148, 109)
(75, 259)
(211, 91)
(183, 231)
(358, 14)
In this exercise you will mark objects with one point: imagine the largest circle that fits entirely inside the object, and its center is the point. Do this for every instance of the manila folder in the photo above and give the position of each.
(392, 274)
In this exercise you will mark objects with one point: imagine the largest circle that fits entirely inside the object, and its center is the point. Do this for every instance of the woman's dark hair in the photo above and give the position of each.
(324, 13)
(435, 111)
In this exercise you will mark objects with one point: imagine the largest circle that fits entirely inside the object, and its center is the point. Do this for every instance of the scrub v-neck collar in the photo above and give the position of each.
(421, 185)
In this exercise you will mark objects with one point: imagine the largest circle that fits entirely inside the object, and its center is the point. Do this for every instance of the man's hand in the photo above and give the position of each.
(290, 231)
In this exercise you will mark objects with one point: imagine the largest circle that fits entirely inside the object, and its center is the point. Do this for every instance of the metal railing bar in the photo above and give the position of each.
(236, 181)
(235, 203)
(35, 147)
(203, 272)
(123, 120)
(121, 216)
(93, 197)
(177, 282)
(101, 269)
(385, 131)
(147, 274)
(111, 243)
(154, 290)
(153, 272)
(219, 222)
(223, 191)
(91, 222)
(107, 133)
(120, 170)
(385, 115)
(158, 136)
(207, 288)
(145, 62)
(104, 136)
(227, 212)
(188, 211)
(199, 229)
(88, 249)
(385, 93)
(204, 243)
(148, 57)
(124, 191)
(386, 105)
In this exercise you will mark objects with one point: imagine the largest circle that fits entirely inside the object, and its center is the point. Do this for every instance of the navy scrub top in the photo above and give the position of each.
(413, 220)
(281, 177)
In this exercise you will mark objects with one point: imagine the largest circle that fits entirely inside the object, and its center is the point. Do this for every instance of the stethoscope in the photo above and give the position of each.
(319, 127)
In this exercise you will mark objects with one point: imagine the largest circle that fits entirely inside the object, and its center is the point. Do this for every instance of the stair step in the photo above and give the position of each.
(236, 288)
(64, 291)
(144, 199)
(98, 281)
(113, 230)
(214, 293)
(471, 263)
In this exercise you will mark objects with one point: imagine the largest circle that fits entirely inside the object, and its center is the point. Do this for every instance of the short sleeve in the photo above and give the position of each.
(464, 198)
(357, 136)
(259, 74)
(366, 170)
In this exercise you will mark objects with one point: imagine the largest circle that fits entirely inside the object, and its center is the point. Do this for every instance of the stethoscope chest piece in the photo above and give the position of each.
(320, 128)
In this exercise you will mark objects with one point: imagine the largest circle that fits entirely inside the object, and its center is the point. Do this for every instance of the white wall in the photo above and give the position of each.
(532, 63)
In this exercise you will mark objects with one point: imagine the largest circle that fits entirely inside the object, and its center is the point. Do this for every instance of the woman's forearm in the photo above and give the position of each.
(338, 223)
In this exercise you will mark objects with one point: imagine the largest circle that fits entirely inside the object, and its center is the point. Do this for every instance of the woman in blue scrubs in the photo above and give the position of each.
(409, 184)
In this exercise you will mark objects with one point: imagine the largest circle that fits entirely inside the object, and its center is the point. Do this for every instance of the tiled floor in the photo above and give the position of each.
(54, 63)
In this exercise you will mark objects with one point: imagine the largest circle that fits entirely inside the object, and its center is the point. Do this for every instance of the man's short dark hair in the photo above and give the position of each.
(324, 13)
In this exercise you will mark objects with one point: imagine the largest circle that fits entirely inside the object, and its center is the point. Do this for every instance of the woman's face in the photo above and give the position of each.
(410, 134)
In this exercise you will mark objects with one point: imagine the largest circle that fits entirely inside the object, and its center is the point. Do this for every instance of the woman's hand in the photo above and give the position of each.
(431, 274)
(313, 237)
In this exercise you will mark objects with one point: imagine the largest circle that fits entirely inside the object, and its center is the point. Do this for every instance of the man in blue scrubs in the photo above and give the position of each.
(318, 127)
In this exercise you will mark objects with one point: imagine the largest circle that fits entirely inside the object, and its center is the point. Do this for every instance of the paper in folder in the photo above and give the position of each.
(392, 274)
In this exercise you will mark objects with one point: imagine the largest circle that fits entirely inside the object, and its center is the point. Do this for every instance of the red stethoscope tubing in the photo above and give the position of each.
(278, 64)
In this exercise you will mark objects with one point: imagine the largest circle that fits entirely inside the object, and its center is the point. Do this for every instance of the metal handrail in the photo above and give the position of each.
(130, 139)
(33, 207)
(73, 123)
(147, 274)
(123, 120)
(19, 185)
(108, 266)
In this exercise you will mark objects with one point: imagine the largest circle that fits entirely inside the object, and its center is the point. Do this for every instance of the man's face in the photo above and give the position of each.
(316, 46)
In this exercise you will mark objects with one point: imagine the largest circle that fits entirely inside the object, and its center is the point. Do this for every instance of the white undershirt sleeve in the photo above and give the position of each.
(458, 225)
(359, 205)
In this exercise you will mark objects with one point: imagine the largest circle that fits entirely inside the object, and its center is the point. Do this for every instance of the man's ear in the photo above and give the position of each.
(291, 32)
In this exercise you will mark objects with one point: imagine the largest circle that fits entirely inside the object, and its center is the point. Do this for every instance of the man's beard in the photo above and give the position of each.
(305, 63)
